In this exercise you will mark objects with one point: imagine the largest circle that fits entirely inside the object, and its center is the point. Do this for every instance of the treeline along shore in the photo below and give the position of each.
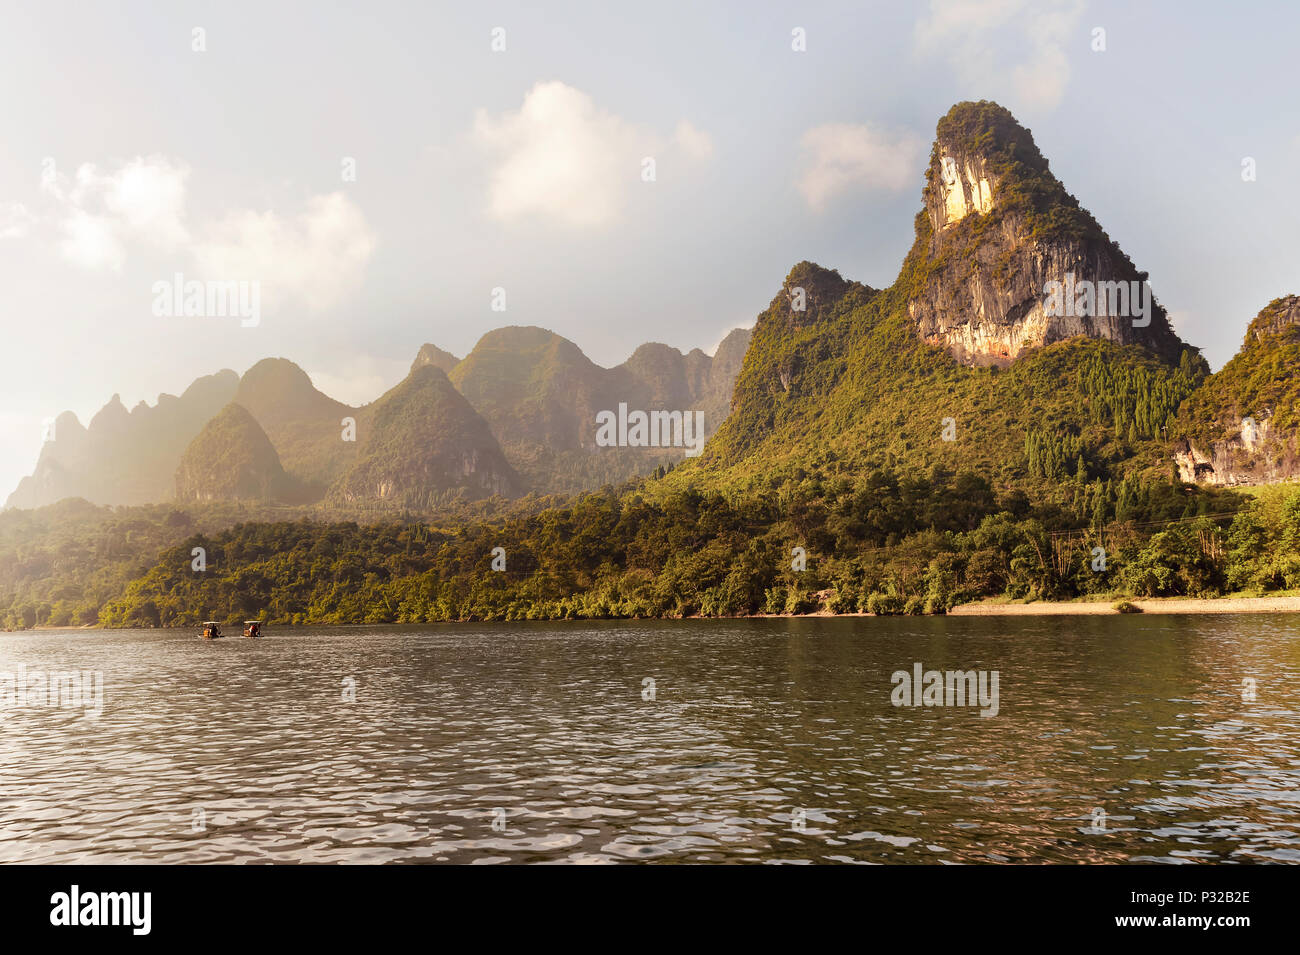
(883, 544)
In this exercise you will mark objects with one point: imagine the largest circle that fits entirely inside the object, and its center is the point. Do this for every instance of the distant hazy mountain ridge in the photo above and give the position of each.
(541, 395)
(304, 425)
(529, 390)
(124, 457)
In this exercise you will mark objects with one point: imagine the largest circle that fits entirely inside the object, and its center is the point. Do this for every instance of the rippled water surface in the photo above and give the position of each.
(246, 751)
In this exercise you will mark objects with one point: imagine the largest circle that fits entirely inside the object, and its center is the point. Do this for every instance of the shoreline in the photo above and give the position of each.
(1153, 605)
(985, 608)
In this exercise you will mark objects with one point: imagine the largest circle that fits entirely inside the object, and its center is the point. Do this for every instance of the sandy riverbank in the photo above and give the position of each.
(1161, 605)
(1040, 608)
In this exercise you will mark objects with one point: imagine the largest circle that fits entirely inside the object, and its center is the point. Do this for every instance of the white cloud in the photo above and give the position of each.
(15, 220)
(99, 213)
(92, 242)
(983, 41)
(563, 158)
(148, 196)
(317, 257)
(844, 157)
(694, 143)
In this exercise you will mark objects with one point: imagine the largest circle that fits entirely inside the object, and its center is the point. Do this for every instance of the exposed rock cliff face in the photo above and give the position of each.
(1243, 425)
(1255, 455)
(1277, 324)
(997, 230)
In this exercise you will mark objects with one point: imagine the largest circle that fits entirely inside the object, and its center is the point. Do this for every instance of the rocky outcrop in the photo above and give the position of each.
(1278, 323)
(1243, 425)
(439, 358)
(1255, 455)
(998, 233)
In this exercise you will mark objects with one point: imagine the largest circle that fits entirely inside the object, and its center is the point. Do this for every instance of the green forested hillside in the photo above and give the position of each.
(861, 468)
(423, 445)
(232, 459)
(857, 390)
(1262, 380)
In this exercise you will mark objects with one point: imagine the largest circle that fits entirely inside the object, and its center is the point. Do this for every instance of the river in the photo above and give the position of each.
(1115, 739)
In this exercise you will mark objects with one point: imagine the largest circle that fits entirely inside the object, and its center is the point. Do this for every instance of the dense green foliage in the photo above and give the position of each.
(425, 445)
(60, 564)
(857, 390)
(885, 543)
(1260, 381)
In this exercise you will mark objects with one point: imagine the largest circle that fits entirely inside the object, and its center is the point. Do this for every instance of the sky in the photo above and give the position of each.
(390, 174)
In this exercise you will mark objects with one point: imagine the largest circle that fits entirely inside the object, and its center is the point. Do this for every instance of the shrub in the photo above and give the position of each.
(884, 605)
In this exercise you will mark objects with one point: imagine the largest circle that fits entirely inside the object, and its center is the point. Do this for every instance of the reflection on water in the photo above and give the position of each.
(532, 743)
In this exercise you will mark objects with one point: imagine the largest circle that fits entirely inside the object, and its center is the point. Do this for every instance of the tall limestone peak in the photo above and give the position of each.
(540, 394)
(865, 379)
(808, 318)
(730, 353)
(662, 370)
(979, 146)
(1006, 259)
(421, 444)
(232, 459)
(303, 423)
(112, 419)
(279, 386)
